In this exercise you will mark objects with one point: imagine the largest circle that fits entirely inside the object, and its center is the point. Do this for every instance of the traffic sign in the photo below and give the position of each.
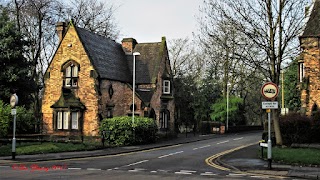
(269, 91)
(270, 105)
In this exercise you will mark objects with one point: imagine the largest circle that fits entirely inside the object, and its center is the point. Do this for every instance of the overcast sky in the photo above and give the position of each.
(149, 20)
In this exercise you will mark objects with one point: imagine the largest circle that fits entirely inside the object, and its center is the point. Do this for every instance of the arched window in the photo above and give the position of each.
(71, 74)
(164, 119)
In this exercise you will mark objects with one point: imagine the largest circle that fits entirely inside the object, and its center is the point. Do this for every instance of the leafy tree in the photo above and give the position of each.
(15, 69)
(291, 91)
(235, 111)
(185, 88)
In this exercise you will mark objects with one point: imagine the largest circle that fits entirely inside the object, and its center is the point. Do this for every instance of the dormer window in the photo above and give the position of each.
(166, 87)
(71, 75)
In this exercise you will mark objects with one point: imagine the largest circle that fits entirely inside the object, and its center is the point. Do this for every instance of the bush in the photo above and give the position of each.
(4, 119)
(119, 130)
(296, 129)
(25, 121)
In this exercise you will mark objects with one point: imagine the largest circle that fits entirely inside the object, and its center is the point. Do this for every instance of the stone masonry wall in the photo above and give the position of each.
(71, 49)
(311, 59)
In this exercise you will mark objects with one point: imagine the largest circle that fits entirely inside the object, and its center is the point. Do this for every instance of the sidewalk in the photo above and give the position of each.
(247, 160)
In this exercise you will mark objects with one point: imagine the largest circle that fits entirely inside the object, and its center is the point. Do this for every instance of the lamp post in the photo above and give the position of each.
(227, 124)
(134, 83)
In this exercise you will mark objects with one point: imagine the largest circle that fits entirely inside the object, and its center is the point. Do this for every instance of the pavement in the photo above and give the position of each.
(246, 160)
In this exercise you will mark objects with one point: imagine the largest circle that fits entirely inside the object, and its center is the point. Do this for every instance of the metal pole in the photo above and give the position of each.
(134, 87)
(227, 124)
(14, 138)
(269, 140)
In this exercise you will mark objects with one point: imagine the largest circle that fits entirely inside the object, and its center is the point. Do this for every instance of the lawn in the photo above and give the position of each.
(295, 156)
(46, 147)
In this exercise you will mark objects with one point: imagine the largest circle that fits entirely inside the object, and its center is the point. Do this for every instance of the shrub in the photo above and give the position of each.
(4, 119)
(120, 130)
(25, 121)
(296, 128)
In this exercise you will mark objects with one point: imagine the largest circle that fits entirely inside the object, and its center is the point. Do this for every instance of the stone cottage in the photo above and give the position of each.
(309, 62)
(90, 78)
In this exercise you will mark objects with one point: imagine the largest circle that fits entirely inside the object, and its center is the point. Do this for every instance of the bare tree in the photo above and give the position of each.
(185, 58)
(272, 27)
(95, 16)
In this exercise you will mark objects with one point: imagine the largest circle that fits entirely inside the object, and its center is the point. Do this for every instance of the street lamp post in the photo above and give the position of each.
(227, 124)
(134, 83)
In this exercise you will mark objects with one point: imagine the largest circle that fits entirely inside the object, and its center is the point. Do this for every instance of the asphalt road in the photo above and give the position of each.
(184, 161)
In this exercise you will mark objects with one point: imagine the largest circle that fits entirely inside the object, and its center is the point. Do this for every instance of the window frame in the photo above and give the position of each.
(166, 89)
(301, 72)
(64, 120)
(71, 74)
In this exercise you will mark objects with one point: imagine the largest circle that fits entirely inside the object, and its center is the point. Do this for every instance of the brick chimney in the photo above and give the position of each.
(128, 45)
(61, 28)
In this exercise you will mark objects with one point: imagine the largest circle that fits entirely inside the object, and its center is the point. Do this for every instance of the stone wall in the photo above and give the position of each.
(71, 49)
(310, 95)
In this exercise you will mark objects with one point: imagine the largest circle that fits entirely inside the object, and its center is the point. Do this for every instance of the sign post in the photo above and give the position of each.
(13, 103)
(270, 92)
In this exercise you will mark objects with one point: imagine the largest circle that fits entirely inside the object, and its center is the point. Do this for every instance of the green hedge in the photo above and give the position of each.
(119, 130)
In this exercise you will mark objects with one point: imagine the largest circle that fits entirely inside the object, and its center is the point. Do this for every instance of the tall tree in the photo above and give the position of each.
(15, 69)
(36, 20)
(272, 26)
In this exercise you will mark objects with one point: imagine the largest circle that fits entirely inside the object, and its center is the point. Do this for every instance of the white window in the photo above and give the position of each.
(64, 118)
(164, 119)
(71, 75)
(166, 87)
(74, 120)
(301, 72)
(59, 120)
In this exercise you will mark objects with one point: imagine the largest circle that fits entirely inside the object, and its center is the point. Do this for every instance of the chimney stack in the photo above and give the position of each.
(128, 45)
(61, 28)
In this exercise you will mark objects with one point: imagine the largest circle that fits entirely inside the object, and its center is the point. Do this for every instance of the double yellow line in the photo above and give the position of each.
(210, 160)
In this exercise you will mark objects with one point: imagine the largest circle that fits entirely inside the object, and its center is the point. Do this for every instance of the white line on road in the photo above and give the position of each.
(136, 163)
(202, 147)
(208, 174)
(186, 173)
(93, 169)
(237, 139)
(223, 142)
(74, 168)
(4, 166)
(170, 154)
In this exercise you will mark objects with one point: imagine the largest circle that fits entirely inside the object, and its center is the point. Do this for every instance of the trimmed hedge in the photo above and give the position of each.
(296, 128)
(119, 130)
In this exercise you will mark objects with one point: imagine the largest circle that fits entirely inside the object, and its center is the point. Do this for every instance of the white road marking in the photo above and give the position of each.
(208, 174)
(170, 154)
(202, 147)
(237, 139)
(93, 169)
(4, 166)
(223, 142)
(232, 174)
(186, 173)
(137, 170)
(74, 168)
(136, 163)
(153, 171)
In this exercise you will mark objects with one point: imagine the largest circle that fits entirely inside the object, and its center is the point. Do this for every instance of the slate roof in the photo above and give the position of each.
(106, 56)
(147, 64)
(313, 25)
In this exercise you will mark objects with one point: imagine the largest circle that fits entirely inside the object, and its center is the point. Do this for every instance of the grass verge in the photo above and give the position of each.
(46, 147)
(295, 156)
